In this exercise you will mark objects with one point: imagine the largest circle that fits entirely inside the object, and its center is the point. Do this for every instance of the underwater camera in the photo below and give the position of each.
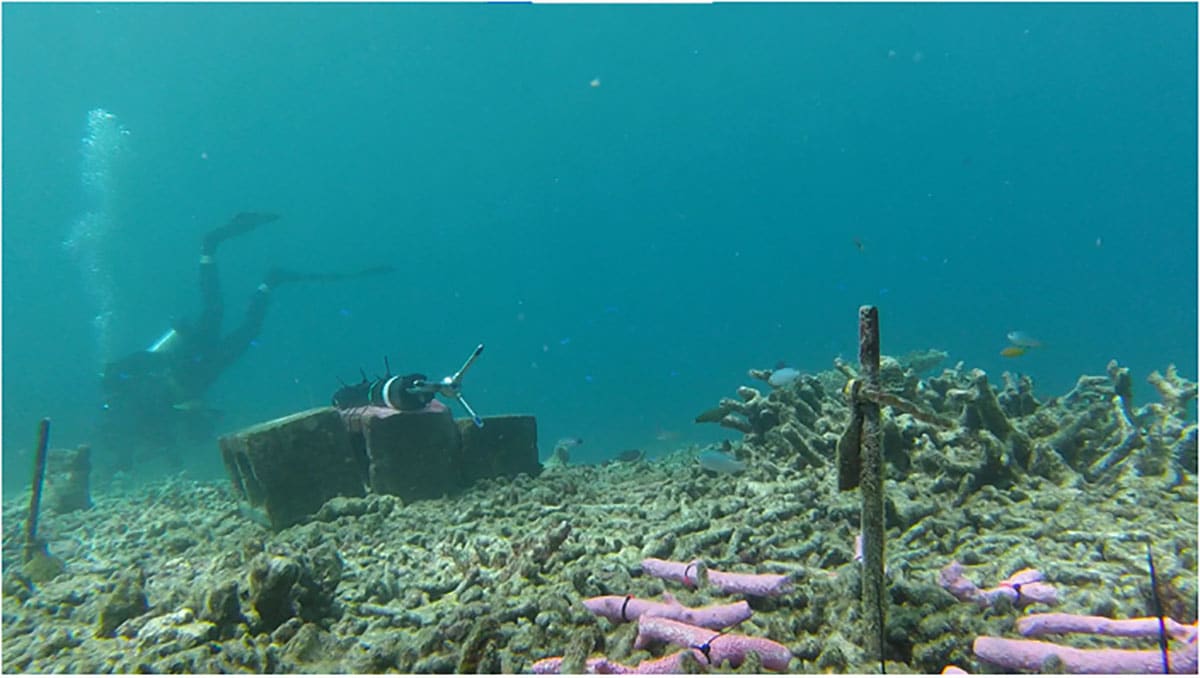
(408, 392)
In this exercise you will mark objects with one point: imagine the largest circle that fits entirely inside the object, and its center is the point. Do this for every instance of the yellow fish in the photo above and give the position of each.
(1013, 351)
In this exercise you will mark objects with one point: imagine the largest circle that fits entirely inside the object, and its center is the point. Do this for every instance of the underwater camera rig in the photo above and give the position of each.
(407, 392)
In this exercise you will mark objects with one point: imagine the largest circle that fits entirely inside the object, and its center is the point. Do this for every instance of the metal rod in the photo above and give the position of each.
(39, 475)
(874, 593)
(1158, 610)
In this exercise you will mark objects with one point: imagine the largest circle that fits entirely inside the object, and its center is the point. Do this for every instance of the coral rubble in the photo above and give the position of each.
(175, 578)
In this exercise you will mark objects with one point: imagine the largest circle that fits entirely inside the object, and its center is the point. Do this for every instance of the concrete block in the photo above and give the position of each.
(68, 474)
(505, 446)
(290, 466)
(412, 455)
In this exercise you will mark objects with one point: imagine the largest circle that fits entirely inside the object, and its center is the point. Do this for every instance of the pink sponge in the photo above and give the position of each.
(714, 647)
(627, 608)
(670, 664)
(692, 575)
(1031, 655)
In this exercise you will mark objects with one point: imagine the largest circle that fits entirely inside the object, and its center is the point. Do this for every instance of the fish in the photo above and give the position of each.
(1013, 351)
(712, 460)
(783, 377)
(713, 414)
(631, 456)
(1023, 339)
(562, 449)
(250, 220)
(568, 443)
(663, 435)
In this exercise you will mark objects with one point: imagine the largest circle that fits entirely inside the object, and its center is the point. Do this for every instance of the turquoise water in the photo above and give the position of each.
(629, 206)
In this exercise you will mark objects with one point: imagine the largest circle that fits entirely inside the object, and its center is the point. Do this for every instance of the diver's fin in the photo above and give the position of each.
(246, 221)
(278, 276)
(374, 270)
(194, 405)
(242, 222)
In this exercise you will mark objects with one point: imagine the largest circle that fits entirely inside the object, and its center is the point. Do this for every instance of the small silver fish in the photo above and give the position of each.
(783, 377)
(713, 460)
(1023, 339)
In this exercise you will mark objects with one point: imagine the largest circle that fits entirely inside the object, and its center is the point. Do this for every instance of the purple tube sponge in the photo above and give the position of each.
(951, 578)
(1032, 655)
(694, 574)
(670, 664)
(1139, 627)
(713, 647)
(1022, 588)
(619, 609)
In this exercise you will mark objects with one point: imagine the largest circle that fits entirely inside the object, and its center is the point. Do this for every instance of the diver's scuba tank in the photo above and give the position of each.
(166, 342)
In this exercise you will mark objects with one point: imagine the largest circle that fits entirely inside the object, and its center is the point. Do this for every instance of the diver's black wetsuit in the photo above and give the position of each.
(204, 352)
(152, 397)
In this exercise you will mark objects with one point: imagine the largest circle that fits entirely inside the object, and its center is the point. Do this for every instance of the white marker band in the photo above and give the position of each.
(387, 387)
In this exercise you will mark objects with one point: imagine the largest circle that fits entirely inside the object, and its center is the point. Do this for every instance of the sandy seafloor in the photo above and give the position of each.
(492, 580)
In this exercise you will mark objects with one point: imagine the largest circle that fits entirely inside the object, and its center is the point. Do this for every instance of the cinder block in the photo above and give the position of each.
(505, 446)
(68, 474)
(413, 455)
(290, 466)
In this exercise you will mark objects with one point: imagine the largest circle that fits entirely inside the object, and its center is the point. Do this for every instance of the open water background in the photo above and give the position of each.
(630, 205)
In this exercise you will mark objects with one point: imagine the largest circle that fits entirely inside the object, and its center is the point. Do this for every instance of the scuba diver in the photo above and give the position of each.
(154, 397)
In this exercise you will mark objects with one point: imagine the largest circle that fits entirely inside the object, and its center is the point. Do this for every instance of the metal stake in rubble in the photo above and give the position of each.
(39, 564)
(860, 464)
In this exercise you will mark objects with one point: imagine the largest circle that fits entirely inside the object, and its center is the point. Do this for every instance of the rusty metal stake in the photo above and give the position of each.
(39, 474)
(860, 464)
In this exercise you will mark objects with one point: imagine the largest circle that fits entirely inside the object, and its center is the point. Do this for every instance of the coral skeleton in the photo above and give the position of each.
(1175, 391)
